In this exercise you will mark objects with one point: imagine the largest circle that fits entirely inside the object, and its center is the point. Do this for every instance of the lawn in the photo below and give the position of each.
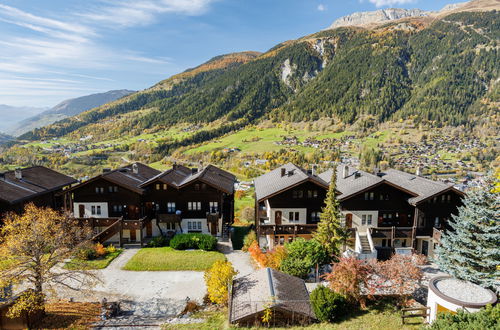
(166, 258)
(100, 263)
(375, 318)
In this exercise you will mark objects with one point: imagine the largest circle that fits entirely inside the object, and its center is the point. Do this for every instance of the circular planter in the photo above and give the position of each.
(448, 294)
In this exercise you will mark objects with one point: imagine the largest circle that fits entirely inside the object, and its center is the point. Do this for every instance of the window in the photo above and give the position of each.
(165, 186)
(436, 222)
(170, 207)
(315, 216)
(112, 189)
(157, 186)
(367, 195)
(99, 190)
(297, 194)
(93, 210)
(214, 207)
(282, 240)
(315, 194)
(194, 206)
(443, 198)
(290, 216)
(369, 219)
(197, 187)
(170, 226)
(190, 225)
(448, 198)
(297, 216)
(199, 225)
(98, 210)
(372, 196)
(363, 220)
(117, 208)
(381, 197)
(309, 194)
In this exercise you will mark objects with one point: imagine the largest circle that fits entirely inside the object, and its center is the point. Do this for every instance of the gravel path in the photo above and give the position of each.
(148, 298)
(241, 262)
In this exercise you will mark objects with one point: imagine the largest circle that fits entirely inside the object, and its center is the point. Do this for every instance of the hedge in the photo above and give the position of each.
(194, 241)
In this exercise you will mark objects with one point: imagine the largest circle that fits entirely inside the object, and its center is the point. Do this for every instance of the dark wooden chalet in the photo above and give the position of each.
(37, 184)
(288, 203)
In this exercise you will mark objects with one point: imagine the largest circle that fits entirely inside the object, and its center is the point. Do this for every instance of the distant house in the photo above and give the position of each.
(387, 212)
(37, 184)
(136, 202)
(284, 295)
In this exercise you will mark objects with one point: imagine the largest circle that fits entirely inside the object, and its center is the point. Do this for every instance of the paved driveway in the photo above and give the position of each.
(148, 298)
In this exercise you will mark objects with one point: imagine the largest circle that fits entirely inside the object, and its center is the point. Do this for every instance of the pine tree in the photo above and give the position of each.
(330, 233)
(471, 250)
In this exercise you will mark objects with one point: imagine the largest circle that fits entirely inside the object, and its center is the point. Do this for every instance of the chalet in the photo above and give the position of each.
(288, 203)
(37, 184)
(136, 202)
(386, 212)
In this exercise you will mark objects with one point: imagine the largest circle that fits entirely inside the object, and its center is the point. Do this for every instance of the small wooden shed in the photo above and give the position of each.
(283, 298)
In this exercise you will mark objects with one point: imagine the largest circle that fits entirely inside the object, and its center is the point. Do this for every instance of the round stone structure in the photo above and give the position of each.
(448, 294)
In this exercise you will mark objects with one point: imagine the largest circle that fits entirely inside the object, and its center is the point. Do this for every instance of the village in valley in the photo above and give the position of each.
(343, 179)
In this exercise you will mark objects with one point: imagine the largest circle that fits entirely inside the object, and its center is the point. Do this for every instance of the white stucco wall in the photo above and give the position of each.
(433, 300)
(357, 217)
(185, 226)
(88, 210)
(285, 215)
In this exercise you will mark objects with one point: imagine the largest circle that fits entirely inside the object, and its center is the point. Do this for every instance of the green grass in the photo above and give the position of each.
(246, 201)
(102, 263)
(166, 258)
(374, 318)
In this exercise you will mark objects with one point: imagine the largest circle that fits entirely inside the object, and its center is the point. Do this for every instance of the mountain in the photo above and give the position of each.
(382, 16)
(66, 109)
(5, 138)
(437, 72)
(12, 114)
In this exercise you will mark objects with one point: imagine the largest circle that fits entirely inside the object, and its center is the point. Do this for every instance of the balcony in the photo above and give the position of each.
(299, 229)
(97, 222)
(168, 218)
(391, 232)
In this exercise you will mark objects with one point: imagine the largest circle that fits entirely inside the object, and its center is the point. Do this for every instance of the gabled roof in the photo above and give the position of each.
(273, 182)
(35, 181)
(358, 181)
(126, 177)
(254, 292)
(180, 176)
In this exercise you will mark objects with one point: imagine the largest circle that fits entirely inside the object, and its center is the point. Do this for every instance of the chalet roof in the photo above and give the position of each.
(252, 294)
(357, 181)
(34, 181)
(274, 182)
(126, 177)
(180, 176)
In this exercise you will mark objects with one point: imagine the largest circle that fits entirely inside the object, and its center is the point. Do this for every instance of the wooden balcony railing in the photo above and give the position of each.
(391, 232)
(169, 218)
(287, 229)
(96, 222)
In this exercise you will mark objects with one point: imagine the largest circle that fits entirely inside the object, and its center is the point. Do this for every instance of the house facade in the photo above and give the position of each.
(288, 203)
(136, 202)
(387, 212)
(40, 185)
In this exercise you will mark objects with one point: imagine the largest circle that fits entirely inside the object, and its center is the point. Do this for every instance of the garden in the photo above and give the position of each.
(93, 257)
(192, 252)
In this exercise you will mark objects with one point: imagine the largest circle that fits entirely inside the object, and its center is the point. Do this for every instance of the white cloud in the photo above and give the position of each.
(321, 7)
(382, 3)
(144, 12)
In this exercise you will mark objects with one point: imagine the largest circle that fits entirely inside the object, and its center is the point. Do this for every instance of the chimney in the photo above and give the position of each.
(418, 172)
(345, 172)
(18, 173)
(314, 169)
(135, 168)
(283, 172)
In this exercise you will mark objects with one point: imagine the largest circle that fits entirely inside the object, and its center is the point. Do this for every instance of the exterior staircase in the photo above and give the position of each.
(108, 232)
(365, 245)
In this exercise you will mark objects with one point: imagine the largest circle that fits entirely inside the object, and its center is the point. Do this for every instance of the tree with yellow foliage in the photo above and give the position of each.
(218, 278)
(31, 246)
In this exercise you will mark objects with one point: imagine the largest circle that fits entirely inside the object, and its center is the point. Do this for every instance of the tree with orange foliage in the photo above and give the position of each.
(31, 245)
(350, 277)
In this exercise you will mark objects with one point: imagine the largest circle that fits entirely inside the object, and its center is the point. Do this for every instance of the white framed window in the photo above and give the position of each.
(171, 207)
(99, 190)
(190, 225)
(290, 216)
(93, 211)
(214, 207)
(199, 225)
(98, 210)
(194, 206)
(369, 219)
(315, 216)
(363, 220)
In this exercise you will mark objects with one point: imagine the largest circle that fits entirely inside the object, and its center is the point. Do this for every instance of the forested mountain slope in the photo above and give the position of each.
(443, 72)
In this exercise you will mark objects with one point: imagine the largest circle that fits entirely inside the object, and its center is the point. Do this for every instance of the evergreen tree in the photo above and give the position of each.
(471, 250)
(330, 233)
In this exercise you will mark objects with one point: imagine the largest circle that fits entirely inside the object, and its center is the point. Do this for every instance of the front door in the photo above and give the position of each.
(425, 248)
(348, 220)
(277, 217)
(213, 228)
(133, 238)
(81, 210)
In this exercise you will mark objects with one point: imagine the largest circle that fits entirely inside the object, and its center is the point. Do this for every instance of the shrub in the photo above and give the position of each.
(248, 240)
(100, 251)
(194, 241)
(86, 253)
(327, 305)
(272, 259)
(111, 248)
(487, 318)
(303, 255)
(159, 241)
(218, 278)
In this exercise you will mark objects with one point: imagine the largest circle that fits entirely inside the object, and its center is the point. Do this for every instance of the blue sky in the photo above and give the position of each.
(52, 50)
